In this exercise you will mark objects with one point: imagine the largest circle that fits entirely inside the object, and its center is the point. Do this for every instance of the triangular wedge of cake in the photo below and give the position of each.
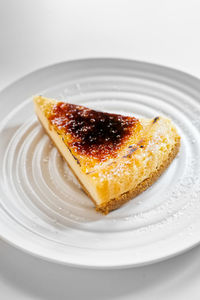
(114, 157)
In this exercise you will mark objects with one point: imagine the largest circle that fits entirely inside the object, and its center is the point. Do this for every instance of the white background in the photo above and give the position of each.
(36, 33)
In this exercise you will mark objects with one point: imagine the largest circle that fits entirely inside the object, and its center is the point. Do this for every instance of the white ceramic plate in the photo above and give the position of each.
(42, 207)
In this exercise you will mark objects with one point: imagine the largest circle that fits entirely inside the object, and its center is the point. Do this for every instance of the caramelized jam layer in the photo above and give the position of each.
(92, 133)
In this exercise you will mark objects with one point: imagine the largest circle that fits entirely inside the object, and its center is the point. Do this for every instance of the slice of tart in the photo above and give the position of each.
(114, 157)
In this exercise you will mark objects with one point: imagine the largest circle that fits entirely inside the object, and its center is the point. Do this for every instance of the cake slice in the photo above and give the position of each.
(114, 157)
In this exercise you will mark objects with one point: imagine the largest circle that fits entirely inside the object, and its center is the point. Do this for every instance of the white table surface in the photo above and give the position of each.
(37, 33)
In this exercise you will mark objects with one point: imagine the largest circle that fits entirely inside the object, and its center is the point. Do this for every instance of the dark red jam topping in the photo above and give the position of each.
(92, 132)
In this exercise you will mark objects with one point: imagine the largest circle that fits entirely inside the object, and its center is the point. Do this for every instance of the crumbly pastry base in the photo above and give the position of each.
(115, 203)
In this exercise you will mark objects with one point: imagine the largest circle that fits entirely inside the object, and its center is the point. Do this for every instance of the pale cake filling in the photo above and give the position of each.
(85, 180)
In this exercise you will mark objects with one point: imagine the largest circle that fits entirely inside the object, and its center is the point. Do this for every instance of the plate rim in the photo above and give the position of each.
(157, 66)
